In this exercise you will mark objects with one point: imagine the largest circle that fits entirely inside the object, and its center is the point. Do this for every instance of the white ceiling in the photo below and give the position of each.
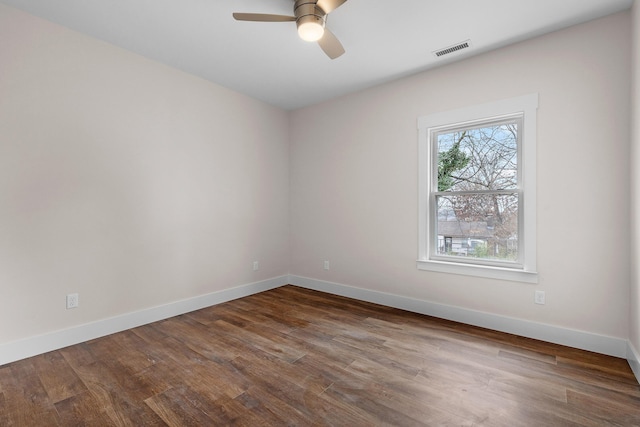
(384, 40)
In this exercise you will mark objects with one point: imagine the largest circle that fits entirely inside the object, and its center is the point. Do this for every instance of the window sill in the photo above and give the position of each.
(479, 271)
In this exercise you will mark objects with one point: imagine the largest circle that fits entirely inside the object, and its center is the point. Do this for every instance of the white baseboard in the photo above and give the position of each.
(21, 349)
(633, 357)
(572, 338)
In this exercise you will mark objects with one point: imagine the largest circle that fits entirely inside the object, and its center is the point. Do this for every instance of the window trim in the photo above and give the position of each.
(525, 105)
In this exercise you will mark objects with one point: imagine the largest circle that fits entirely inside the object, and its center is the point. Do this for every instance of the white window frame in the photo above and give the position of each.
(525, 269)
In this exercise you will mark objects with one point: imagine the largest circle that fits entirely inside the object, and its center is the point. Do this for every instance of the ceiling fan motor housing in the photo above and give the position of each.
(306, 11)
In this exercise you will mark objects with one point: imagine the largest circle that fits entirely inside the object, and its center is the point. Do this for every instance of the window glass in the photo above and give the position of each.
(482, 226)
(484, 158)
(475, 166)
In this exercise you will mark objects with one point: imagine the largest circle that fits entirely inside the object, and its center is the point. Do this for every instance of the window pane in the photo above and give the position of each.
(483, 226)
(484, 158)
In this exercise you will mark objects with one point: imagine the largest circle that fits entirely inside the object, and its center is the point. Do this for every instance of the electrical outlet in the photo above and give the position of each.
(256, 266)
(539, 297)
(72, 301)
(326, 265)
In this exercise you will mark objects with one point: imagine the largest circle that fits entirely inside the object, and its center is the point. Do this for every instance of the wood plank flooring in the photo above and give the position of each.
(296, 357)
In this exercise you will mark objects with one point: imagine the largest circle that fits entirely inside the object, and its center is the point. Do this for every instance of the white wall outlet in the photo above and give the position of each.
(256, 266)
(539, 297)
(73, 300)
(326, 265)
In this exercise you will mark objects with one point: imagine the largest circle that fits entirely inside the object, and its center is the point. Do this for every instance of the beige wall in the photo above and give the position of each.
(127, 181)
(634, 319)
(354, 180)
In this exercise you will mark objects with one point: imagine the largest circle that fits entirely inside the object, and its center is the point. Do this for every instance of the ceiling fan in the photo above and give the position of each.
(310, 17)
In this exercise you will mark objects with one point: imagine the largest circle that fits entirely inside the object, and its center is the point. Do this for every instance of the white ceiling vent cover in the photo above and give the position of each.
(451, 49)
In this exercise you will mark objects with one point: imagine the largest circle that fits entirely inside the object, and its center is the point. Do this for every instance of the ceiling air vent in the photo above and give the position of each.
(451, 49)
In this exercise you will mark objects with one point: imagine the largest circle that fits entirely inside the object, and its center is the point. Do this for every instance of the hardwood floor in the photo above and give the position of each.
(292, 356)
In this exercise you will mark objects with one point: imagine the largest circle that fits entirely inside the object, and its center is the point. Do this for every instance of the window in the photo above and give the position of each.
(477, 202)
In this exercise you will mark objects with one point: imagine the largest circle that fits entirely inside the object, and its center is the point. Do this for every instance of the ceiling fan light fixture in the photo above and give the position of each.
(310, 28)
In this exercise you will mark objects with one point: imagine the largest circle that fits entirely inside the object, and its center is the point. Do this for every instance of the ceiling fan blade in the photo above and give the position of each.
(262, 17)
(329, 5)
(330, 44)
